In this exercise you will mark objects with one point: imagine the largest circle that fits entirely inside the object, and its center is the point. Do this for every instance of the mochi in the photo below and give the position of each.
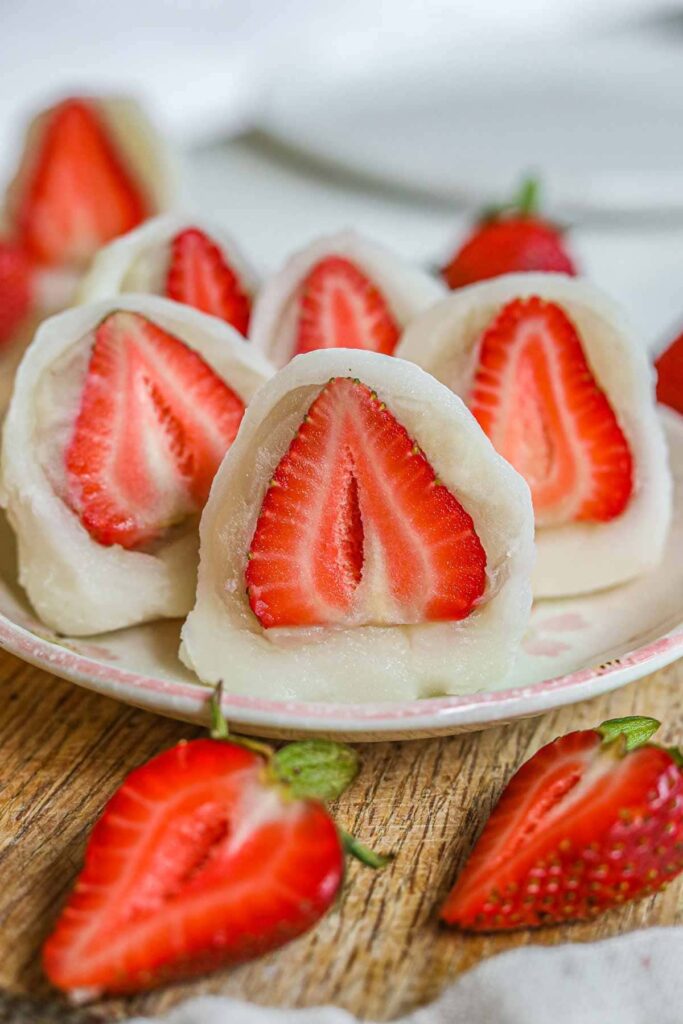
(93, 143)
(399, 459)
(140, 261)
(590, 404)
(80, 579)
(359, 294)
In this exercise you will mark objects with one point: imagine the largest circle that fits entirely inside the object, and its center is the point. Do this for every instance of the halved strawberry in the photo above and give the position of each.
(15, 288)
(199, 276)
(535, 396)
(356, 529)
(586, 824)
(670, 375)
(340, 307)
(79, 194)
(154, 423)
(201, 859)
(511, 238)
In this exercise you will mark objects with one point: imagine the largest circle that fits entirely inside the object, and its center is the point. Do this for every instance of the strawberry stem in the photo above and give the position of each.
(525, 203)
(219, 729)
(527, 200)
(363, 853)
(635, 729)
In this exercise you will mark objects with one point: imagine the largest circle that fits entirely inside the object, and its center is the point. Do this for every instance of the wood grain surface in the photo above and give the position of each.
(379, 953)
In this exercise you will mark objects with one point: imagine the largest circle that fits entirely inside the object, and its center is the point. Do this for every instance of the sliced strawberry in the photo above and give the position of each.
(670, 375)
(583, 826)
(15, 289)
(154, 423)
(79, 194)
(198, 861)
(536, 398)
(355, 528)
(512, 238)
(199, 276)
(340, 307)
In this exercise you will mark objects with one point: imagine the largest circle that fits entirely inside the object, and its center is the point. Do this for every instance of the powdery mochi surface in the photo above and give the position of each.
(139, 261)
(76, 585)
(222, 639)
(573, 558)
(406, 288)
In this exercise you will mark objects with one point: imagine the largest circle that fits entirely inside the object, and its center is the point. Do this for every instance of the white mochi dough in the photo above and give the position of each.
(407, 289)
(146, 156)
(573, 558)
(139, 261)
(222, 639)
(77, 585)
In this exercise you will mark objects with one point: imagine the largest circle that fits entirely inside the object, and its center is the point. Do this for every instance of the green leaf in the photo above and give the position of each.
(636, 730)
(363, 853)
(317, 768)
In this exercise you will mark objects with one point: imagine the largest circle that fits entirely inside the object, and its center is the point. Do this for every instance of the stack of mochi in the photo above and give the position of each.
(337, 475)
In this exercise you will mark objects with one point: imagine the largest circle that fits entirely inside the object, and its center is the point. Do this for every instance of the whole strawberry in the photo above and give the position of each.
(15, 288)
(595, 818)
(509, 239)
(669, 368)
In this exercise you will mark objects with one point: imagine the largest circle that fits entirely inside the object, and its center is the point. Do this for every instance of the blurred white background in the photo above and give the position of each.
(406, 112)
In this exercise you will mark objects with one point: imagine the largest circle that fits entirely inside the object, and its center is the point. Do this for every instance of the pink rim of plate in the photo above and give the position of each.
(441, 714)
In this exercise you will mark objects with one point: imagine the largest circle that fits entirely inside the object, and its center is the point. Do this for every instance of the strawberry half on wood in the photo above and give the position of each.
(212, 853)
(340, 307)
(594, 819)
(79, 192)
(534, 395)
(509, 239)
(355, 527)
(669, 368)
(15, 289)
(199, 276)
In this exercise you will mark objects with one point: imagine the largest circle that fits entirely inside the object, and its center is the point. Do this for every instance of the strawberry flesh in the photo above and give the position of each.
(199, 276)
(580, 828)
(154, 424)
(15, 289)
(197, 862)
(511, 245)
(536, 398)
(79, 194)
(340, 307)
(356, 529)
(670, 376)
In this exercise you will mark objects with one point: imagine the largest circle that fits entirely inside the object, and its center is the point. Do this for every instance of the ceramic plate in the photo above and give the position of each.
(574, 649)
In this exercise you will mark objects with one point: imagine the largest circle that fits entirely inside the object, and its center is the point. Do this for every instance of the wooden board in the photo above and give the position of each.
(379, 953)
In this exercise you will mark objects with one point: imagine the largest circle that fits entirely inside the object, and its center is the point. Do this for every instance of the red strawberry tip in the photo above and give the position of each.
(636, 730)
(309, 769)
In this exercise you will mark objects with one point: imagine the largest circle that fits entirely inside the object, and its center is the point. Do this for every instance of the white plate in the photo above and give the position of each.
(575, 649)
(598, 121)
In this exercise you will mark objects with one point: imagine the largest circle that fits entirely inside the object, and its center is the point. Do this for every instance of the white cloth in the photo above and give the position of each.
(633, 979)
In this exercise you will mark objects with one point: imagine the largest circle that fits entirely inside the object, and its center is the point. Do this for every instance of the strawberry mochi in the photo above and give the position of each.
(183, 258)
(120, 416)
(566, 394)
(363, 541)
(341, 291)
(92, 168)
